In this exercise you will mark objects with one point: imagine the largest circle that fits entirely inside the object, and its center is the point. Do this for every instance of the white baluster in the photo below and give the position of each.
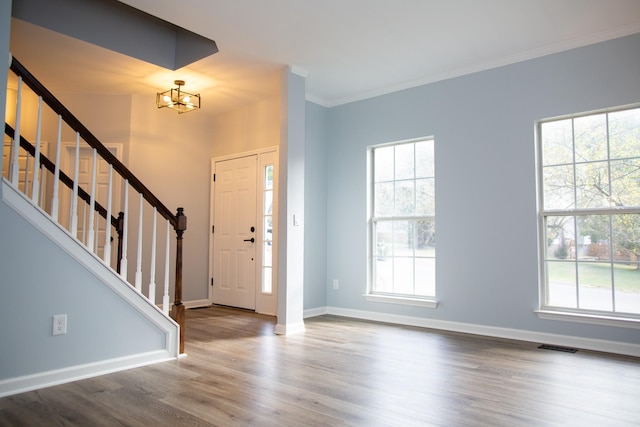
(82, 213)
(56, 175)
(14, 165)
(26, 175)
(74, 196)
(36, 159)
(10, 159)
(95, 232)
(165, 296)
(92, 203)
(138, 277)
(125, 231)
(152, 273)
(43, 171)
(107, 238)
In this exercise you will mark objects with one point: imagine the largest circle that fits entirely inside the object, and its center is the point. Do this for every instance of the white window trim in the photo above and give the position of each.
(408, 300)
(561, 313)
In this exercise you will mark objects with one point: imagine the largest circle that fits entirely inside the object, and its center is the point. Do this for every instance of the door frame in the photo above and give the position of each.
(266, 303)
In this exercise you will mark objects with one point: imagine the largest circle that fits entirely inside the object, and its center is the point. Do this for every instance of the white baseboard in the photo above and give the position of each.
(80, 372)
(313, 312)
(490, 331)
(197, 303)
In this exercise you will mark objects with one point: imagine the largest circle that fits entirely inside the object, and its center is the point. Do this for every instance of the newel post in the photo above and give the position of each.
(177, 311)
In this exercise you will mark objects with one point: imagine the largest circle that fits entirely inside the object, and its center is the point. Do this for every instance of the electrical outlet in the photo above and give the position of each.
(59, 324)
(336, 284)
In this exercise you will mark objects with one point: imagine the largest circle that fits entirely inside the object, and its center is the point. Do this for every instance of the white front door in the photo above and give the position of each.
(235, 233)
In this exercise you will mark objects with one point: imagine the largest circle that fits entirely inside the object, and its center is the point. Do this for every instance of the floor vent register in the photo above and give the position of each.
(558, 348)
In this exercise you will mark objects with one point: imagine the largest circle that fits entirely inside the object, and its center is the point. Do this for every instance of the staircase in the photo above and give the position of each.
(67, 231)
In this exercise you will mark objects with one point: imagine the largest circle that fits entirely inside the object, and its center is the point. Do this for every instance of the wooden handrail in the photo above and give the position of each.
(90, 139)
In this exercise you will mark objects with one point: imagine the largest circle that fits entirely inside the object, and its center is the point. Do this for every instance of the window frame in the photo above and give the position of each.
(545, 309)
(371, 294)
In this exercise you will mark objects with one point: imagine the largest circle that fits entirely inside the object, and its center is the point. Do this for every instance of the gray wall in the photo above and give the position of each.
(315, 202)
(483, 126)
(39, 280)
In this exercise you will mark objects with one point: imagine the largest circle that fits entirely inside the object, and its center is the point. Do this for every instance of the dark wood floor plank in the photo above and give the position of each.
(344, 372)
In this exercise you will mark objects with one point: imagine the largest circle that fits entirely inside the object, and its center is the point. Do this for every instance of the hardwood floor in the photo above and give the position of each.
(344, 372)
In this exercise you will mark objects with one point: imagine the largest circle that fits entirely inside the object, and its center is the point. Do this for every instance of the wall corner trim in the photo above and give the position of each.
(290, 329)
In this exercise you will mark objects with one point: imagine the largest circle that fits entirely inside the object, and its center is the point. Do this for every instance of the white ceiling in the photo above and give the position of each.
(349, 49)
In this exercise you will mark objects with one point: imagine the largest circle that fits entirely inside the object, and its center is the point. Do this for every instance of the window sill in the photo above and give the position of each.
(402, 300)
(592, 319)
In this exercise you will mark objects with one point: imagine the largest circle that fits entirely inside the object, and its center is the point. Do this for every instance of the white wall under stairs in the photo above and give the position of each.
(45, 272)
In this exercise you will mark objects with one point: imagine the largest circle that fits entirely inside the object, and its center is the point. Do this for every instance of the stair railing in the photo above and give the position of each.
(37, 190)
(89, 212)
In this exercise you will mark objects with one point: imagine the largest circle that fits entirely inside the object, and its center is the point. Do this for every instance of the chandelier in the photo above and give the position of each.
(177, 99)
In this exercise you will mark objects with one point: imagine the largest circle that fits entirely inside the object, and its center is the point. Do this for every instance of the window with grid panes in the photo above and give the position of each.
(589, 213)
(403, 226)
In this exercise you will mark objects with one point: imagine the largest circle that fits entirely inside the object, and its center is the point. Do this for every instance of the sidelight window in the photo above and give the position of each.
(267, 238)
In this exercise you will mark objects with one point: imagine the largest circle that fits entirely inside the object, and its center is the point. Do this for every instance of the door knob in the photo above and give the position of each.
(250, 240)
